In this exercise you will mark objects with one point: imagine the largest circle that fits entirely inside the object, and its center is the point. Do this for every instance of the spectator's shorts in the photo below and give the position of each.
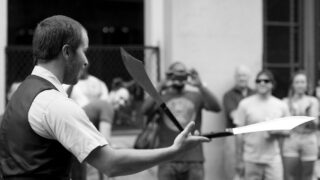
(304, 146)
(266, 171)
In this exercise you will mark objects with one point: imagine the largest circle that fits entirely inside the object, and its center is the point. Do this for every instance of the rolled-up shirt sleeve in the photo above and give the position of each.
(65, 121)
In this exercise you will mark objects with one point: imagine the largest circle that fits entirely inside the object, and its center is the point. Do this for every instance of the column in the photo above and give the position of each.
(154, 36)
(3, 43)
(309, 55)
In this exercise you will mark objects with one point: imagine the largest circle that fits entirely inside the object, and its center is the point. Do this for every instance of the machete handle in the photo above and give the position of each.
(171, 116)
(211, 135)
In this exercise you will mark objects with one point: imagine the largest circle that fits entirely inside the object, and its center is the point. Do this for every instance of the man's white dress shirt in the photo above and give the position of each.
(53, 115)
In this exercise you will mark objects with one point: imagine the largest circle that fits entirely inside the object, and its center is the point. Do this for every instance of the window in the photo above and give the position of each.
(282, 41)
(291, 41)
(109, 22)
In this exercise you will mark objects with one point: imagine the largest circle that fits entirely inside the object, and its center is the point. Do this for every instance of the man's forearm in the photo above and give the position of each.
(147, 106)
(105, 129)
(209, 99)
(129, 161)
(239, 148)
(115, 162)
(133, 161)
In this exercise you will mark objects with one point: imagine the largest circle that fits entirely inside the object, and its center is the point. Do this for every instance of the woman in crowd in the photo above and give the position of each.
(259, 153)
(300, 148)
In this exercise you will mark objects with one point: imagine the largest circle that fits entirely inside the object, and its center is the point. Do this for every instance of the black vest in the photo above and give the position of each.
(24, 155)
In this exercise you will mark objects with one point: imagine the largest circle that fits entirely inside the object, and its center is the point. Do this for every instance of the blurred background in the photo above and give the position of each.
(213, 36)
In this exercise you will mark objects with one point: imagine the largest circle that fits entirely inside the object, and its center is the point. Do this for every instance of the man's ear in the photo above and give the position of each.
(66, 51)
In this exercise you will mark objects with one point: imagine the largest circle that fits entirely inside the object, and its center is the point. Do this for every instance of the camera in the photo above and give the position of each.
(178, 75)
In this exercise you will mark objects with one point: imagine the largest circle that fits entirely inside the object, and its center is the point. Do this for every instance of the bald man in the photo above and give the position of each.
(231, 100)
(241, 90)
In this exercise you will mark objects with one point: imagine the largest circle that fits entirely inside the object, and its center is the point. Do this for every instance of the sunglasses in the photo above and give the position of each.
(258, 81)
(178, 76)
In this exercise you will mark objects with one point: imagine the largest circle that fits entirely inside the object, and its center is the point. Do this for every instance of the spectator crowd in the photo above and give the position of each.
(265, 155)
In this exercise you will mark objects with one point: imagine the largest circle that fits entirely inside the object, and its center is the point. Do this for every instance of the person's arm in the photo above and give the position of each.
(240, 120)
(239, 155)
(104, 91)
(210, 101)
(314, 110)
(105, 129)
(106, 119)
(128, 161)
(148, 106)
(229, 105)
(101, 112)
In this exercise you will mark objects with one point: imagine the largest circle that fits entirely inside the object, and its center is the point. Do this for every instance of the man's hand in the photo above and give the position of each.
(240, 168)
(185, 141)
(195, 79)
(278, 134)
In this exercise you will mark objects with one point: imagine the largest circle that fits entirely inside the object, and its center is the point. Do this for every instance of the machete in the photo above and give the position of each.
(280, 124)
(138, 73)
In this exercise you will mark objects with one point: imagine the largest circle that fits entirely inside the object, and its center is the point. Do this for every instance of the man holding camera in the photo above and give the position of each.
(186, 105)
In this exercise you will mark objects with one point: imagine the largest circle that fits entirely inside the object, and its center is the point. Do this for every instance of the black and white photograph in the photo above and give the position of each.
(159, 89)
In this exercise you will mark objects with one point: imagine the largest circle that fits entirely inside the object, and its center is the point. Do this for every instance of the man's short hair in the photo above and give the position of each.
(267, 73)
(52, 34)
(177, 68)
